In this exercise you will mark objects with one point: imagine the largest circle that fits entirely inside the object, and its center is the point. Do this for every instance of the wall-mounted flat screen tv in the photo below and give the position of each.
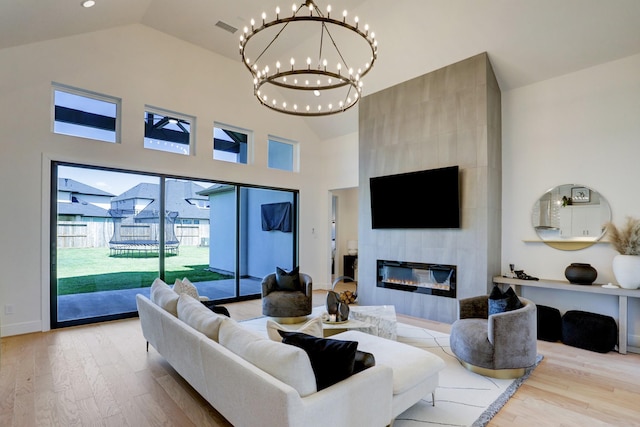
(423, 199)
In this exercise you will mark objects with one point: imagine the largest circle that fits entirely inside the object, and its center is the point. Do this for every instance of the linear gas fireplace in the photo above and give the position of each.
(432, 279)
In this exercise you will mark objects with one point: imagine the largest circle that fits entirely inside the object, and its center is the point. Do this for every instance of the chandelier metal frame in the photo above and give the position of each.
(285, 77)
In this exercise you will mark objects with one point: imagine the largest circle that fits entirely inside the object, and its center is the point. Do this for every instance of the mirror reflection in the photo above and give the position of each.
(571, 213)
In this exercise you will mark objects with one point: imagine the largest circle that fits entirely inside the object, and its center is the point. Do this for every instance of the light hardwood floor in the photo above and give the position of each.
(101, 375)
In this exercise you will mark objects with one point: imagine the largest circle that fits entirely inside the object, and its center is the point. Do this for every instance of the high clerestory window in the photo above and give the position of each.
(231, 144)
(85, 114)
(283, 154)
(167, 131)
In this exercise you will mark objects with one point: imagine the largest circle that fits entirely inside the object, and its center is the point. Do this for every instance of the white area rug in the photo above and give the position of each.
(462, 398)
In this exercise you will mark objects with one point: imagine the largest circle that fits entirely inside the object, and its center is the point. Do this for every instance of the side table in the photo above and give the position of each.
(381, 317)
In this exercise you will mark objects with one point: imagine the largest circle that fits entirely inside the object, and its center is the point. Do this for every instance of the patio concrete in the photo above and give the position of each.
(105, 303)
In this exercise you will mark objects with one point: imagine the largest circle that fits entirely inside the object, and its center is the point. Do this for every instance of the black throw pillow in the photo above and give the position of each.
(288, 281)
(211, 305)
(513, 302)
(500, 302)
(363, 361)
(331, 360)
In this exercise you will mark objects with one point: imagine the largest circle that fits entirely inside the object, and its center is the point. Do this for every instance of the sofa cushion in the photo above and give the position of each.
(162, 295)
(313, 327)
(199, 317)
(287, 363)
(185, 287)
(288, 280)
(500, 302)
(410, 365)
(332, 360)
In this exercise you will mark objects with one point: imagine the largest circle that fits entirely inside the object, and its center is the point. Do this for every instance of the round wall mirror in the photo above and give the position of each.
(570, 217)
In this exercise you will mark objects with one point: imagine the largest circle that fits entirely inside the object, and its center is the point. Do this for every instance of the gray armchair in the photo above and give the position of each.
(500, 345)
(287, 306)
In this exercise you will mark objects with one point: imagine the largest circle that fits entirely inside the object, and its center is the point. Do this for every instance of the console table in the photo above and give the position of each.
(623, 295)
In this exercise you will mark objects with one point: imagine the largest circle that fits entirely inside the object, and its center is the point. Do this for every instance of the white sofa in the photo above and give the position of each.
(252, 380)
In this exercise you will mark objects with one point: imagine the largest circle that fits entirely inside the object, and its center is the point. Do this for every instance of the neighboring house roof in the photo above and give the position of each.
(216, 188)
(180, 197)
(73, 186)
(144, 190)
(83, 208)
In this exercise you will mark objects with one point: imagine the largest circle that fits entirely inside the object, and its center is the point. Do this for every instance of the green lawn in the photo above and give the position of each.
(82, 270)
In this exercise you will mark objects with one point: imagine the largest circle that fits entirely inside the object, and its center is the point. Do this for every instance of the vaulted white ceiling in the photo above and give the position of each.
(527, 40)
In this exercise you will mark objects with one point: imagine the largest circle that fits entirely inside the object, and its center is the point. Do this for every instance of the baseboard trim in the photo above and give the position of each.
(20, 328)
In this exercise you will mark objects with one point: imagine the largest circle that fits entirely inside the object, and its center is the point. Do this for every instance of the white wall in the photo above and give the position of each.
(581, 128)
(346, 223)
(141, 66)
(340, 157)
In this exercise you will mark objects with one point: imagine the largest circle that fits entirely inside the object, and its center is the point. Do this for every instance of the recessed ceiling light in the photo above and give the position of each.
(88, 3)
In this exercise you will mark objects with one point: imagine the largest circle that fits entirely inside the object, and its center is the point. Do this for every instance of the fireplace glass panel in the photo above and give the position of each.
(434, 279)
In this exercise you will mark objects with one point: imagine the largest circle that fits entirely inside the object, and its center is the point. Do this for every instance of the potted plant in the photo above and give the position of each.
(626, 240)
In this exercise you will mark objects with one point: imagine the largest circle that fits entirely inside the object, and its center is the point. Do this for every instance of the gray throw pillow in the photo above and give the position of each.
(288, 281)
(500, 302)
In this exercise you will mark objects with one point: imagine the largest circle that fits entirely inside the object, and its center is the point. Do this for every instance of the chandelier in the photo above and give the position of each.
(308, 63)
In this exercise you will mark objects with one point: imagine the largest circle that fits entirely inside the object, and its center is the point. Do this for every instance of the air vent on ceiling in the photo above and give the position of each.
(226, 27)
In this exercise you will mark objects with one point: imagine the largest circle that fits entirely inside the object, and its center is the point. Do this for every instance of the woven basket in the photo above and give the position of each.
(348, 297)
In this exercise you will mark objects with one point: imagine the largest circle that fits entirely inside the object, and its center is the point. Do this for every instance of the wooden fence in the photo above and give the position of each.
(78, 234)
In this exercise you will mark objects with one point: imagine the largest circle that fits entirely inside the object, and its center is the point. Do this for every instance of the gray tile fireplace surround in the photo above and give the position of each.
(451, 116)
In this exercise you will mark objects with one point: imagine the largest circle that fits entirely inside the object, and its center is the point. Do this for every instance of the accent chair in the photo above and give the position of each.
(500, 345)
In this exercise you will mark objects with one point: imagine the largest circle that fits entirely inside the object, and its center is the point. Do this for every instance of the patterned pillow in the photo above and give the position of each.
(313, 327)
(184, 286)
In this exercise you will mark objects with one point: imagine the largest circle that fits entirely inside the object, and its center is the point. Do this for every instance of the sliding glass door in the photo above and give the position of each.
(114, 232)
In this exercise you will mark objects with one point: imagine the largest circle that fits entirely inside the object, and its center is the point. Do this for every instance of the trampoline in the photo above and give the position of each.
(138, 234)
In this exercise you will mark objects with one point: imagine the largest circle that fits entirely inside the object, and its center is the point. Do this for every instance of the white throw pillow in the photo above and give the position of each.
(185, 286)
(195, 314)
(312, 327)
(287, 363)
(162, 295)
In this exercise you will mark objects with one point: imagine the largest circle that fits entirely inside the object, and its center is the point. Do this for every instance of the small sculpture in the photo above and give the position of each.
(524, 276)
(333, 300)
(337, 308)
(343, 312)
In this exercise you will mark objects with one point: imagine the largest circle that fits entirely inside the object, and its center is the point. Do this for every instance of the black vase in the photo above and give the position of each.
(580, 274)
(333, 302)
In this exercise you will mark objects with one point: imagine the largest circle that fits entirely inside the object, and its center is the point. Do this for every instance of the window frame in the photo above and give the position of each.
(191, 120)
(250, 142)
(59, 87)
(295, 154)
